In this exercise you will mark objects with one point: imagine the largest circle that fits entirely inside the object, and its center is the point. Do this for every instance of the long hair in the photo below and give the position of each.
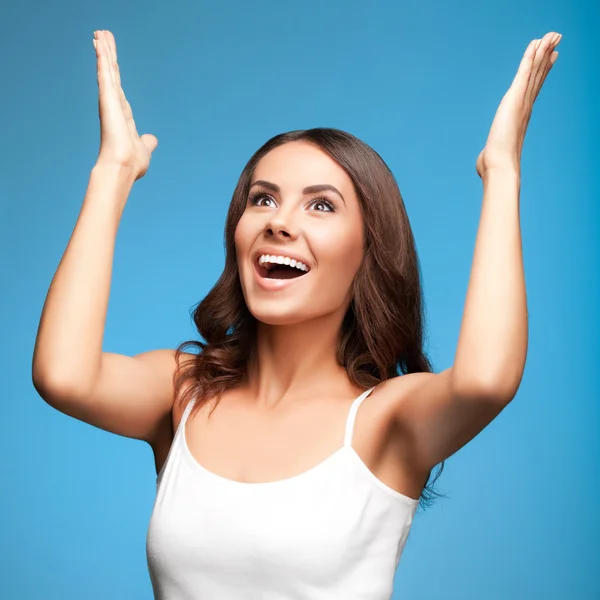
(382, 330)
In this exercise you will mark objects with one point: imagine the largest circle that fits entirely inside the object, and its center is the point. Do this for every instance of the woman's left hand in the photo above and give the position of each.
(505, 140)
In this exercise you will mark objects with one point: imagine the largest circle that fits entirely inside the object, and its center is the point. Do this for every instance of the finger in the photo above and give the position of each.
(111, 55)
(104, 77)
(149, 141)
(541, 49)
(551, 40)
(104, 35)
(521, 79)
(537, 87)
(106, 54)
(536, 71)
(542, 65)
(528, 61)
(547, 68)
(110, 38)
(528, 56)
(113, 50)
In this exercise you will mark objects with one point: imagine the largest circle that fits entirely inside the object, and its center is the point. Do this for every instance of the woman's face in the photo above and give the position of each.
(321, 228)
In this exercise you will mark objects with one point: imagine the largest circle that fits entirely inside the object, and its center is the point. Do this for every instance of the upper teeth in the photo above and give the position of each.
(281, 260)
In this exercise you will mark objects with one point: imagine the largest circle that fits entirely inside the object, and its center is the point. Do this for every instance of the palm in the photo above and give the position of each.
(505, 140)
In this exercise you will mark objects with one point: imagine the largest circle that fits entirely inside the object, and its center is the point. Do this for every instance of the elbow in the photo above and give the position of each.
(56, 392)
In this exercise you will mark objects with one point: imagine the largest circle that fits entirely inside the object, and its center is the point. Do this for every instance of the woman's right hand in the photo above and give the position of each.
(120, 144)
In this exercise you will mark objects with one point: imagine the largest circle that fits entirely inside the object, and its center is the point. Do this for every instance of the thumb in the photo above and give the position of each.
(149, 141)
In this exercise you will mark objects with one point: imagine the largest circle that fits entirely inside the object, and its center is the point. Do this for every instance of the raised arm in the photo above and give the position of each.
(130, 396)
(440, 413)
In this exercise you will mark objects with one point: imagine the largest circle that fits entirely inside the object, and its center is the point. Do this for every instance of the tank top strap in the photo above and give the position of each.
(186, 412)
(177, 439)
(352, 416)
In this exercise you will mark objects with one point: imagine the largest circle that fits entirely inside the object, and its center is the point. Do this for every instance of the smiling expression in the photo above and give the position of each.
(302, 205)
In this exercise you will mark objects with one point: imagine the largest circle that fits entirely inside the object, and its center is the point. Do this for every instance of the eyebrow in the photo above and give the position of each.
(311, 189)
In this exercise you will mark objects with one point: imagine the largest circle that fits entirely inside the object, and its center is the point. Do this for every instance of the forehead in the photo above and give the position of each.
(300, 164)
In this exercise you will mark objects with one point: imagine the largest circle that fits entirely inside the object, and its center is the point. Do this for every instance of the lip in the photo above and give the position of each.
(271, 285)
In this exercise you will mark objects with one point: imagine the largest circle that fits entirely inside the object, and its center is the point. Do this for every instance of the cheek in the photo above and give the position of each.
(241, 250)
(339, 257)
(239, 231)
(242, 237)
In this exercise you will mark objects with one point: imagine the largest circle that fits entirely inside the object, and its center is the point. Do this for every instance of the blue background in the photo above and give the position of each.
(419, 82)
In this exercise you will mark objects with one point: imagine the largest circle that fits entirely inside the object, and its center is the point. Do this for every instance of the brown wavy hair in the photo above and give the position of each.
(382, 331)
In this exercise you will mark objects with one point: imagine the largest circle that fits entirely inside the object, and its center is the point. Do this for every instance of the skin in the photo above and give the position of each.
(290, 412)
(424, 418)
(298, 326)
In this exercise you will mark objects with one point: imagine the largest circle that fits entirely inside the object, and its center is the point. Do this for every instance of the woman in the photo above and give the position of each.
(291, 454)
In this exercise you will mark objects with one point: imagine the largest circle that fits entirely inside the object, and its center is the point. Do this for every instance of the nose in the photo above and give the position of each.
(280, 226)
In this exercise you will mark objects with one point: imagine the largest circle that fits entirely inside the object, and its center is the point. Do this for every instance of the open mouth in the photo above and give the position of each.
(278, 271)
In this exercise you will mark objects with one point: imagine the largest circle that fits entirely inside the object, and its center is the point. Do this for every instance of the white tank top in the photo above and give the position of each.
(333, 532)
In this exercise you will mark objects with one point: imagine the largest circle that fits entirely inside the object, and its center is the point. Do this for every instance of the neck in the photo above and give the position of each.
(297, 361)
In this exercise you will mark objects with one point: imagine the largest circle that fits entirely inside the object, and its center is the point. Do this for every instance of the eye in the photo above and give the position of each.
(256, 199)
(328, 204)
(257, 196)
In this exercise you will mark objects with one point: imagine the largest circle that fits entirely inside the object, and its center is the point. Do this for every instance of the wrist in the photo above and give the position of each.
(504, 173)
(109, 186)
(114, 172)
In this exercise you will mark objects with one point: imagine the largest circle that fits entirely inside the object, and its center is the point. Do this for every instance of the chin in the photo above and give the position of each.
(279, 315)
